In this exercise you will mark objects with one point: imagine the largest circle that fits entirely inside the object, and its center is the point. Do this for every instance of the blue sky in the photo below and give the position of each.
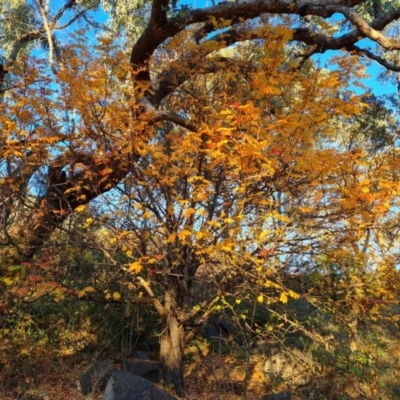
(378, 88)
(373, 70)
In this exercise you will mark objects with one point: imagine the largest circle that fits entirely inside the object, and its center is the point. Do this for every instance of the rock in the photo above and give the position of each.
(294, 366)
(140, 355)
(278, 396)
(123, 385)
(144, 368)
(226, 326)
(217, 329)
(96, 376)
(210, 332)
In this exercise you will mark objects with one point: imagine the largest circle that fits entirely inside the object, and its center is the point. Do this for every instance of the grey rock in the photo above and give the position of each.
(226, 326)
(220, 329)
(278, 396)
(96, 377)
(284, 364)
(140, 355)
(123, 385)
(144, 368)
(213, 332)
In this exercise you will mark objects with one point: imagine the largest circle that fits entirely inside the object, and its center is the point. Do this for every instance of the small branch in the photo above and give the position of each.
(146, 286)
(372, 56)
(205, 304)
(62, 10)
(102, 300)
(203, 318)
(72, 20)
(161, 115)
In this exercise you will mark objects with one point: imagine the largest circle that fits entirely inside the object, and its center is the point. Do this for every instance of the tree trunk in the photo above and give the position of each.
(171, 343)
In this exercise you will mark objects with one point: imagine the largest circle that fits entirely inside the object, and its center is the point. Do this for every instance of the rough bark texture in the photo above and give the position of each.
(171, 342)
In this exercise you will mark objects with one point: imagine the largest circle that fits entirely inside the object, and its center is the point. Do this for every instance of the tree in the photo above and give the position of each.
(208, 158)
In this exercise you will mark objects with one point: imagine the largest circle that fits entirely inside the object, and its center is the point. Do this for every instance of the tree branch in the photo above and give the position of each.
(163, 115)
(368, 31)
(372, 56)
(206, 304)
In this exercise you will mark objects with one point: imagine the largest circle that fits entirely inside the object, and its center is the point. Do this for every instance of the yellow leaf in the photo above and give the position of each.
(116, 296)
(147, 214)
(80, 208)
(129, 253)
(260, 298)
(264, 234)
(8, 281)
(283, 298)
(171, 238)
(135, 267)
(353, 346)
(189, 212)
(238, 301)
(89, 289)
(199, 235)
(80, 294)
(88, 222)
(227, 247)
(183, 234)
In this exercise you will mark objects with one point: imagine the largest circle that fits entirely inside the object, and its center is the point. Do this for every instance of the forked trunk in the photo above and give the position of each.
(171, 345)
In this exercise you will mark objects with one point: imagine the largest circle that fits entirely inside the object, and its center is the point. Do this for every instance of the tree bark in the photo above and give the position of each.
(172, 342)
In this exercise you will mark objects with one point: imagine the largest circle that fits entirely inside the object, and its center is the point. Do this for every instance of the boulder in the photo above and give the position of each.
(96, 377)
(210, 332)
(292, 366)
(140, 355)
(123, 385)
(278, 396)
(144, 368)
(220, 329)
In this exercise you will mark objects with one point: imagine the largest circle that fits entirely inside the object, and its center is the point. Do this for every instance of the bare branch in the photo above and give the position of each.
(163, 115)
(207, 309)
(372, 56)
(43, 13)
(72, 20)
(69, 4)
